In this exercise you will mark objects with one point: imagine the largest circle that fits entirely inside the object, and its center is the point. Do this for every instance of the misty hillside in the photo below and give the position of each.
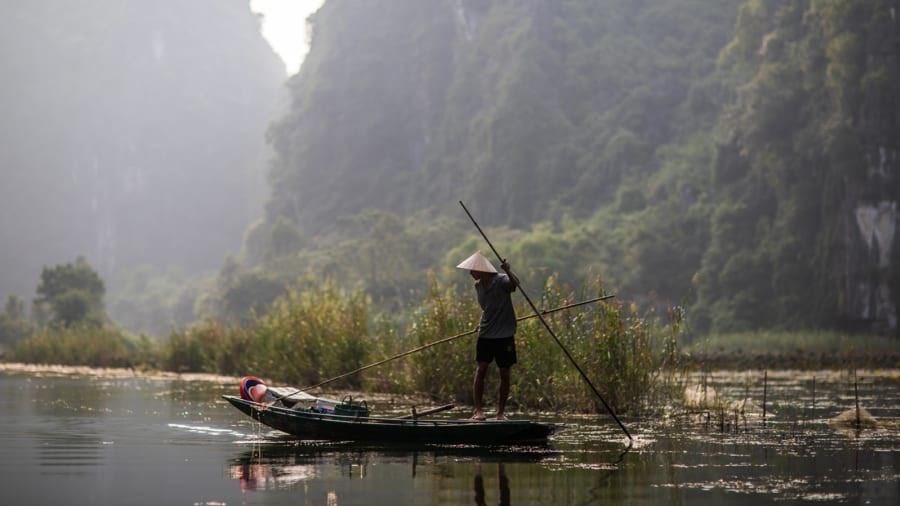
(531, 108)
(133, 134)
(739, 157)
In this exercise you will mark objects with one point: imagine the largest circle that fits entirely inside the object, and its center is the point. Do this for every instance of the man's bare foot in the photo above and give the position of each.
(478, 415)
(501, 417)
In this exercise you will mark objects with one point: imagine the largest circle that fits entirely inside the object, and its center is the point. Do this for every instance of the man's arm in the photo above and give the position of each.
(512, 277)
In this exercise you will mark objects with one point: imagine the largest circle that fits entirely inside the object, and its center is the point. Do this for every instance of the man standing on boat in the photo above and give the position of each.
(497, 329)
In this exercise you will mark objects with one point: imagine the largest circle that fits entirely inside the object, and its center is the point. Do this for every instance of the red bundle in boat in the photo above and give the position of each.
(253, 389)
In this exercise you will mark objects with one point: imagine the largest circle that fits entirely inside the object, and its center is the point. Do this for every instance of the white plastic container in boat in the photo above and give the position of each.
(325, 406)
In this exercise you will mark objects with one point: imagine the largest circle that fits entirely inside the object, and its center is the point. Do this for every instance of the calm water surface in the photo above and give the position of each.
(84, 439)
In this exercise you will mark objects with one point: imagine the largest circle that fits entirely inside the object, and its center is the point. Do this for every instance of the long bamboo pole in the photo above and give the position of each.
(435, 343)
(549, 330)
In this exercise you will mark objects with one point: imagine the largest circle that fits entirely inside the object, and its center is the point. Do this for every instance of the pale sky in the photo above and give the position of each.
(284, 26)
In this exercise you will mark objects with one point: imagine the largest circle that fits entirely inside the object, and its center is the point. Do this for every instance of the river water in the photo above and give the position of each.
(83, 437)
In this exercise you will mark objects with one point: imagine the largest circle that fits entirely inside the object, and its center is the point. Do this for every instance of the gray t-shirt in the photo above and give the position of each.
(498, 317)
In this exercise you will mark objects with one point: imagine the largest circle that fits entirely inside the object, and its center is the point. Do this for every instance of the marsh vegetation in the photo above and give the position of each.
(641, 361)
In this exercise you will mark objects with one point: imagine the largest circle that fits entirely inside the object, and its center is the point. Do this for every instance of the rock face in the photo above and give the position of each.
(133, 133)
(884, 167)
(873, 247)
(871, 297)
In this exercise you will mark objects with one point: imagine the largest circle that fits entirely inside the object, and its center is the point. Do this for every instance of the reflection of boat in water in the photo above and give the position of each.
(255, 475)
(317, 469)
(281, 451)
(283, 465)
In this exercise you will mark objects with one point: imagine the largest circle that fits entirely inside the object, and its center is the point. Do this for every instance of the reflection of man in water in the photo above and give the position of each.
(251, 476)
(503, 485)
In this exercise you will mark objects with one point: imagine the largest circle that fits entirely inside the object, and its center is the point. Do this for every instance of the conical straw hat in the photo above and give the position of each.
(477, 262)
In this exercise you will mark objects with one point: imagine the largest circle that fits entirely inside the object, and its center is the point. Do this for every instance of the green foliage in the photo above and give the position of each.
(628, 357)
(841, 21)
(528, 109)
(730, 265)
(210, 347)
(541, 114)
(303, 338)
(151, 302)
(74, 293)
(705, 153)
(309, 336)
(361, 111)
(322, 332)
(184, 351)
(285, 239)
(743, 51)
(795, 156)
(85, 345)
(444, 371)
(379, 252)
(250, 293)
(14, 324)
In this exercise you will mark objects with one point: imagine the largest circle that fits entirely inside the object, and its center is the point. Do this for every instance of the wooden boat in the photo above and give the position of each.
(311, 424)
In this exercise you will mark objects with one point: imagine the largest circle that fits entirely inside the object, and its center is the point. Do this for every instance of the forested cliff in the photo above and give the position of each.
(807, 169)
(738, 156)
(531, 108)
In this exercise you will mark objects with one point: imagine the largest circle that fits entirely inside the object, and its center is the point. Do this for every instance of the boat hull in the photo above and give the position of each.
(308, 425)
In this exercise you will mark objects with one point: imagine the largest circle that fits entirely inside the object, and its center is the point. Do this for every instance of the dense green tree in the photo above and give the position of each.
(73, 293)
(14, 324)
(804, 152)
(251, 293)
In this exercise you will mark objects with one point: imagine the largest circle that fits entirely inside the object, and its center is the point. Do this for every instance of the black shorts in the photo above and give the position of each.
(503, 350)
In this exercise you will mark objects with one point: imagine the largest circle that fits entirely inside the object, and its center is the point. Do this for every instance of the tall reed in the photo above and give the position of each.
(310, 336)
(445, 371)
(84, 345)
(321, 332)
(625, 355)
(209, 347)
(305, 337)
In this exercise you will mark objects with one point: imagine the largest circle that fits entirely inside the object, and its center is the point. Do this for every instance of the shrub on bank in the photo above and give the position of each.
(314, 335)
(85, 345)
(304, 338)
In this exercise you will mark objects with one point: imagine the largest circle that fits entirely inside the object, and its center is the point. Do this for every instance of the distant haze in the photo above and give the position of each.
(284, 27)
(133, 134)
